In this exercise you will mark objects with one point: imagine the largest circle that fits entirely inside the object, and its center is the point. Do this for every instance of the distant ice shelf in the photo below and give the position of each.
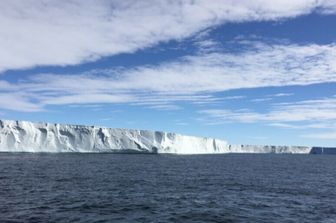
(23, 136)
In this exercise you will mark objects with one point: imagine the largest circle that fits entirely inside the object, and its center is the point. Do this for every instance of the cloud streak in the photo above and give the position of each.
(308, 114)
(189, 79)
(37, 32)
(324, 136)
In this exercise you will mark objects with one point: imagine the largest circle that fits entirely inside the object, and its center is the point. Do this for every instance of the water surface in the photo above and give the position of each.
(167, 188)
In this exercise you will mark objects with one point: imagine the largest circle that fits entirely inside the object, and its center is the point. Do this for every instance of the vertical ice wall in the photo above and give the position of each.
(22, 136)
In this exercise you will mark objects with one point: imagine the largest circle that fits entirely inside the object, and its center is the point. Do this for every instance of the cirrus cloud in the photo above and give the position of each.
(39, 32)
(190, 79)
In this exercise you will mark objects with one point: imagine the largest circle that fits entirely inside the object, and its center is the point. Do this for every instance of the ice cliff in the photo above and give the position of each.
(22, 136)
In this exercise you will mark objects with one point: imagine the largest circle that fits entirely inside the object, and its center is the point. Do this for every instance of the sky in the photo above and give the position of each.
(249, 72)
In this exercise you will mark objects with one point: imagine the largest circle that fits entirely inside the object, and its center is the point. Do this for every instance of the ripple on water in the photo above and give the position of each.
(167, 188)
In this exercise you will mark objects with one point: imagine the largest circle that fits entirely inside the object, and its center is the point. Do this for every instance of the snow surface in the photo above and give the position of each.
(23, 136)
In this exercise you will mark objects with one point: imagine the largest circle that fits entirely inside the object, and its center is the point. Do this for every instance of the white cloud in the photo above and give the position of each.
(281, 95)
(324, 135)
(327, 7)
(165, 107)
(261, 99)
(18, 102)
(190, 79)
(234, 97)
(325, 125)
(88, 98)
(38, 32)
(263, 65)
(321, 111)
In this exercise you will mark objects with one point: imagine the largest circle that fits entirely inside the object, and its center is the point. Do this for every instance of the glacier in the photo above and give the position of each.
(24, 136)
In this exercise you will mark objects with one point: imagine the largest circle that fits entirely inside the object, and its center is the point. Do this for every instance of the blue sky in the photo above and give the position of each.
(261, 72)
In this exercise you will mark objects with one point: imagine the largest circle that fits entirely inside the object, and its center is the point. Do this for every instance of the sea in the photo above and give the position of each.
(167, 188)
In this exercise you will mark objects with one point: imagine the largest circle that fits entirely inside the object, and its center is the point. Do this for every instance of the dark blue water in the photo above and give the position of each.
(167, 188)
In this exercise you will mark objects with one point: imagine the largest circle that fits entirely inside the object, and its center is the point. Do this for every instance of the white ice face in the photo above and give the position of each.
(22, 136)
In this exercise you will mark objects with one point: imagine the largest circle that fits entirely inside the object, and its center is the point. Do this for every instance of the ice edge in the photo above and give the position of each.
(24, 136)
